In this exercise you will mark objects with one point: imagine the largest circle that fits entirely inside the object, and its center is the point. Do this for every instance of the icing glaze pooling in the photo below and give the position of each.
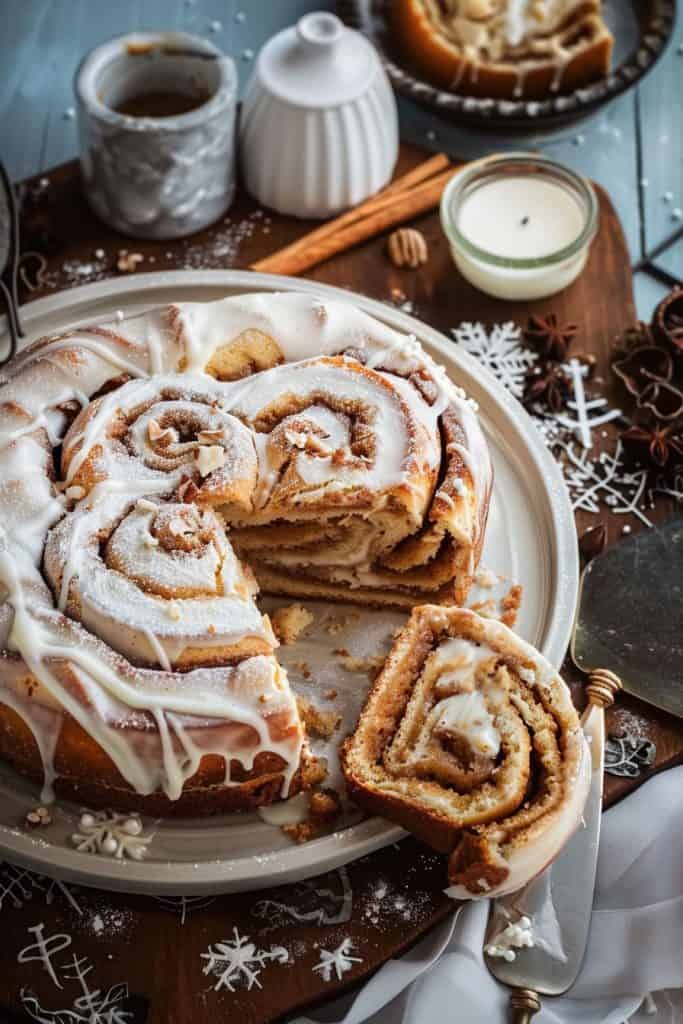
(466, 716)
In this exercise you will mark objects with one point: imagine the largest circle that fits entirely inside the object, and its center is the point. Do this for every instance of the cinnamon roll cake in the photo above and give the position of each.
(154, 473)
(505, 49)
(469, 739)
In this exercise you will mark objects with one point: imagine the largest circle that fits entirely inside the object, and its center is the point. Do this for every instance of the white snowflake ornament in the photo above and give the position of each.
(500, 350)
(112, 835)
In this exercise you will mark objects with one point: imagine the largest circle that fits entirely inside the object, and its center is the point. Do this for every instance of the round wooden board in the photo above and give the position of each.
(156, 947)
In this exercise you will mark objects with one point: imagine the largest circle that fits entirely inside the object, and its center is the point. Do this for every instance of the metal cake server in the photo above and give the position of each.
(564, 892)
(631, 615)
(630, 618)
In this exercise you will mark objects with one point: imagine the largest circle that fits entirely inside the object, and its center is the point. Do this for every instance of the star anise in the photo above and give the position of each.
(547, 385)
(551, 338)
(655, 444)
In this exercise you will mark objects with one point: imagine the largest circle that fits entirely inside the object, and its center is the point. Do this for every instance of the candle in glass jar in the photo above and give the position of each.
(521, 218)
(519, 226)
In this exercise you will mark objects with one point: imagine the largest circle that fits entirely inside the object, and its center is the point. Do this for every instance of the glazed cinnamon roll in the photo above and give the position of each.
(505, 49)
(470, 740)
(153, 472)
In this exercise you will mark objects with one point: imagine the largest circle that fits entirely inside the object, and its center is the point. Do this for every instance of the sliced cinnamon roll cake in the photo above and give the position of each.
(505, 49)
(470, 740)
(153, 473)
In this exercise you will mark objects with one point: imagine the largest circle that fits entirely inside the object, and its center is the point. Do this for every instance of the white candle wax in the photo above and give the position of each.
(507, 230)
(520, 218)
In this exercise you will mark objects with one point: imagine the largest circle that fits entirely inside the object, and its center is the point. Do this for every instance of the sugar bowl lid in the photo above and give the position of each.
(317, 63)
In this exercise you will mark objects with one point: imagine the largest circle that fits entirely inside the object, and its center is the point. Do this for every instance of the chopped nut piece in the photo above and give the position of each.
(209, 458)
(127, 262)
(74, 493)
(163, 436)
(145, 505)
(317, 722)
(174, 612)
(210, 436)
(290, 622)
(38, 817)
(407, 248)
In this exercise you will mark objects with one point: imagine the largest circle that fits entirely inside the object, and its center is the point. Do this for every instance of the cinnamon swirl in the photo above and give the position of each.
(469, 739)
(153, 473)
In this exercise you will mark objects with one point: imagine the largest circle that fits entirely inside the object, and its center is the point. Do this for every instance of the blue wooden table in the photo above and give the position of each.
(634, 149)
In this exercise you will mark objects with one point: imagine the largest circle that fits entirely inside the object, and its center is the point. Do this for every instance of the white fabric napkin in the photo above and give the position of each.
(633, 969)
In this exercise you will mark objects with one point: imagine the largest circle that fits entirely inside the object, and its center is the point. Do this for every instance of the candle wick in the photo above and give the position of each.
(524, 221)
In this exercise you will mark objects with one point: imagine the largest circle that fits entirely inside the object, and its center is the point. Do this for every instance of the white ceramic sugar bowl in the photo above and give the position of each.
(319, 129)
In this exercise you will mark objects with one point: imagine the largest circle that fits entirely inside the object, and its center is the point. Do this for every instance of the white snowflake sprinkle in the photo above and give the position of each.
(592, 481)
(586, 412)
(238, 960)
(500, 350)
(339, 960)
(18, 886)
(184, 905)
(92, 1006)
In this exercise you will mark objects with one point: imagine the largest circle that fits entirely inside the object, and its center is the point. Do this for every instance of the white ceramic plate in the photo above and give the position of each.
(530, 539)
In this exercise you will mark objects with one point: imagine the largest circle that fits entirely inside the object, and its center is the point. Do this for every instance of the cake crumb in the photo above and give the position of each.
(511, 604)
(317, 722)
(303, 667)
(313, 771)
(330, 695)
(290, 622)
(324, 807)
(371, 664)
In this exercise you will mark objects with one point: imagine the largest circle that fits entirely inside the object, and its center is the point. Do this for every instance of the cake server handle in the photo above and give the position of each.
(524, 1003)
(601, 690)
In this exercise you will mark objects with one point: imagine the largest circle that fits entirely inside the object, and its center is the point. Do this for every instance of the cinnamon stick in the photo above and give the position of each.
(292, 255)
(414, 193)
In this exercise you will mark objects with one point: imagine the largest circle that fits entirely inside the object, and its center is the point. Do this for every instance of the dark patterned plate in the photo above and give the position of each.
(641, 29)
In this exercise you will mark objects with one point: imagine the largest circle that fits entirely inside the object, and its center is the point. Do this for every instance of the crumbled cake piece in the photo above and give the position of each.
(324, 804)
(313, 771)
(486, 608)
(324, 807)
(290, 622)
(317, 722)
(511, 604)
(370, 664)
(330, 695)
(303, 667)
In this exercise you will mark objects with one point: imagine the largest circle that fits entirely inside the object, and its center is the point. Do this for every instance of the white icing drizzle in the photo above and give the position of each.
(225, 711)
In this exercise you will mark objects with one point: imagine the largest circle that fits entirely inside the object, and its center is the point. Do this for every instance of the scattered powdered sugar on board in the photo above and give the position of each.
(107, 922)
(628, 721)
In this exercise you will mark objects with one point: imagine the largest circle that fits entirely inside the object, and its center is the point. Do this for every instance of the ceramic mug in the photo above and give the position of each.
(157, 176)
